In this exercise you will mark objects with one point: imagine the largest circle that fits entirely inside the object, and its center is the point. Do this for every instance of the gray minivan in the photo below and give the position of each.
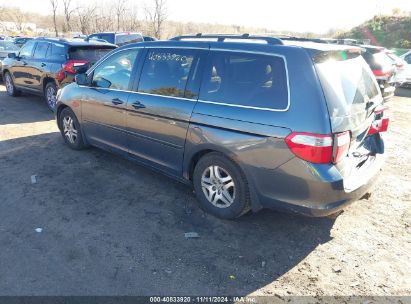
(251, 122)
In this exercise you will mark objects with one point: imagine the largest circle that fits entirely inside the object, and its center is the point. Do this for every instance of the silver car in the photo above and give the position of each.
(6, 47)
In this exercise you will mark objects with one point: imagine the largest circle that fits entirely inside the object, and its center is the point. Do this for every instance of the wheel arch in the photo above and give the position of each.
(6, 71)
(203, 150)
(60, 109)
(47, 80)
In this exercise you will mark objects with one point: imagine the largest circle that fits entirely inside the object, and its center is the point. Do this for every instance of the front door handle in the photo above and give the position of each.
(138, 105)
(117, 101)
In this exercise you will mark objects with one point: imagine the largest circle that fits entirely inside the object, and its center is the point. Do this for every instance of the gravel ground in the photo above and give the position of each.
(96, 224)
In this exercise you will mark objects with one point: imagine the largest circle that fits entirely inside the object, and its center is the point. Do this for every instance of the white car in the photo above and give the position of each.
(407, 69)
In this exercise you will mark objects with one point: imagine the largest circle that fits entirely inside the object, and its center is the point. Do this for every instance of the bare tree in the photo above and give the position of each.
(104, 21)
(131, 22)
(156, 15)
(120, 10)
(68, 12)
(54, 5)
(19, 17)
(85, 15)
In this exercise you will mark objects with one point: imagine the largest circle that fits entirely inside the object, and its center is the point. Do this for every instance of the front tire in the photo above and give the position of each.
(10, 87)
(71, 130)
(221, 187)
(50, 96)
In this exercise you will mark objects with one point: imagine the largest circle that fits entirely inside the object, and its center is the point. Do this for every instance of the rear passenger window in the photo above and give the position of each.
(57, 52)
(245, 80)
(166, 72)
(41, 50)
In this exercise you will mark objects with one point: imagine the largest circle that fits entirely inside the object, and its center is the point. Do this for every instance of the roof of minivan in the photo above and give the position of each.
(313, 46)
(320, 46)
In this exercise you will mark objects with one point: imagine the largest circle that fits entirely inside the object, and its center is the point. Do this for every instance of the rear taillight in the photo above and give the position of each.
(381, 73)
(319, 148)
(342, 145)
(70, 67)
(381, 122)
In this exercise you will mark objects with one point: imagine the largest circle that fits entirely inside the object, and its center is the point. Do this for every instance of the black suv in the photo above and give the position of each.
(44, 65)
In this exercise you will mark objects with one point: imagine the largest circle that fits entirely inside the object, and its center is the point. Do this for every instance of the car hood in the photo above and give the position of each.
(3, 54)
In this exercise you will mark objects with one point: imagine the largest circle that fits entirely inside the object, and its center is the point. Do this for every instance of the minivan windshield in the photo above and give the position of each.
(348, 84)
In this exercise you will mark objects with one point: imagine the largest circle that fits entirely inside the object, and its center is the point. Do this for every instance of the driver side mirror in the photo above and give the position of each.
(12, 55)
(82, 80)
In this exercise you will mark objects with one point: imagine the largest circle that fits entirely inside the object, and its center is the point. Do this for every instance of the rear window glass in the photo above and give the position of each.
(128, 38)
(245, 80)
(347, 84)
(92, 55)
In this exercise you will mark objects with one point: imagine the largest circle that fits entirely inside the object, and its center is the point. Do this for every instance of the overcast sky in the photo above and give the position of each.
(290, 15)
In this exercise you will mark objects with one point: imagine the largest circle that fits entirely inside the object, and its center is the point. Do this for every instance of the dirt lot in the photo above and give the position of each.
(111, 227)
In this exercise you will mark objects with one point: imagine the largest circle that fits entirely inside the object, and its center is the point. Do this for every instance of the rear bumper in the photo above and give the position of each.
(315, 190)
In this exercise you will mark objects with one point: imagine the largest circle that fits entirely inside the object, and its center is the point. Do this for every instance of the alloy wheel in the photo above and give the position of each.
(51, 97)
(9, 85)
(70, 131)
(218, 186)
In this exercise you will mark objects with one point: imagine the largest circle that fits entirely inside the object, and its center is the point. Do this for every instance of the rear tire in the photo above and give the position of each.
(10, 87)
(50, 93)
(71, 130)
(221, 187)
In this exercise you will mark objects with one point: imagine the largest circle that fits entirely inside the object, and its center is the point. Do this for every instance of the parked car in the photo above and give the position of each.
(383, 68)
(407, 69)
(118, 38)
(284, 124)
(6, 47)
(20, 41)
(44, 65)
(400, 66)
